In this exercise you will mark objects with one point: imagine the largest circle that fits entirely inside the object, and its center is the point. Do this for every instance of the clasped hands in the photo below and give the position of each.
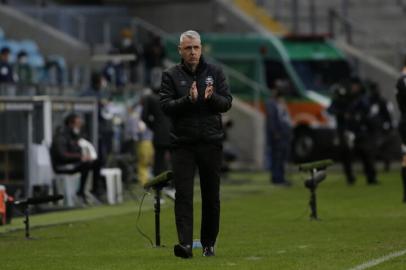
(208, 92)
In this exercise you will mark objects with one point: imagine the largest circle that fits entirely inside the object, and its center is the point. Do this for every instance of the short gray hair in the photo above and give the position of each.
(190, 34)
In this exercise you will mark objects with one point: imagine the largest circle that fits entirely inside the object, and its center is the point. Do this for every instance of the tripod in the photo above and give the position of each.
(157, 210)
(317, 171)
(316, 176)
(157, 184)
(311, 184)
(34, 201)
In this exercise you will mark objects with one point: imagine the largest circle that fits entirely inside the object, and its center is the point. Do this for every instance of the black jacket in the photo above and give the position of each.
(200, 121)
(401, 94)
(65, 148)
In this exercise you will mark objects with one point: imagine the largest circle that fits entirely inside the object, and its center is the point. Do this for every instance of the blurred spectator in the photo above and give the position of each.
(127, 45)
(382, 113)
(6, 70)
(23, 69)
(361, 124)
(154, 55)
(7, 76)
(114, 73)
(68, 157)
(54, 73)
(229, 152)
(339, 107)
(159, 123)
(279, 133)
(105, 118)
(97, 87)
(137, 131)
(352, 110)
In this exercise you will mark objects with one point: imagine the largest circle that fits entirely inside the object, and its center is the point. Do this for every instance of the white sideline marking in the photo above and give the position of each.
(374, 262)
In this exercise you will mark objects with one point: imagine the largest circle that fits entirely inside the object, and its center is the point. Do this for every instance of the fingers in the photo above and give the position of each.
(208, 92)
(193, 92)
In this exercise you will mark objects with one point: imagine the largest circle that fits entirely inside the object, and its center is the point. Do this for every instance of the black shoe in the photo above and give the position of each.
(208, 251)
(183, 251)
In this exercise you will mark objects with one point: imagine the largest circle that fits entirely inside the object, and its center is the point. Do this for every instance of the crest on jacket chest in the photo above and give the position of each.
(209, 80)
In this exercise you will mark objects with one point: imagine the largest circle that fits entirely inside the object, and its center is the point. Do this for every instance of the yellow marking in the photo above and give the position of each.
(261, 16)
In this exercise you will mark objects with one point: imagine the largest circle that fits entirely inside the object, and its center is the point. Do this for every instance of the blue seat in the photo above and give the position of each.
(36, 60)
(13, 45)
(60, 60)
(29, 46)
(2, 43)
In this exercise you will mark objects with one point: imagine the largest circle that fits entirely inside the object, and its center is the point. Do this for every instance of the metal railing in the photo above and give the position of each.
(258, 90)
(27, 122)
(340, 26)
(110, 30)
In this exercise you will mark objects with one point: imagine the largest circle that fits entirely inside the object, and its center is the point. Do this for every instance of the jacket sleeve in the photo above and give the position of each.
(169, 103)
(221, 99)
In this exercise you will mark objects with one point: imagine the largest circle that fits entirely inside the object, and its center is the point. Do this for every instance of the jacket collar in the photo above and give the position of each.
(202, 64)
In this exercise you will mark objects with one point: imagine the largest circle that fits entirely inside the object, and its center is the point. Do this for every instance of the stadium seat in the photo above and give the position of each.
(36, 60)
(58, 59)
(13, 45)
(29, 46)
(67, 184)
(40, 168)
(114, 186)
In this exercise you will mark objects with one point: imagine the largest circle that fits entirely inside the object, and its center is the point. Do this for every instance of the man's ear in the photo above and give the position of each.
(179, 50)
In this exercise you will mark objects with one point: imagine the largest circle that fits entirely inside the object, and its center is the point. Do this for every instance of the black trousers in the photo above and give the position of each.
(185, 159)
(160, 162)
(364, 148)
(83, 168)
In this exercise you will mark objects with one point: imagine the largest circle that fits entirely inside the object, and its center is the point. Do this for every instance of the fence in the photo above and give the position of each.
(26, 122)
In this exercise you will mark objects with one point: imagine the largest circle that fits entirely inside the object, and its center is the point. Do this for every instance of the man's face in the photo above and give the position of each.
(76, 125)
(355, 88)
(190, 49)
(4, 57)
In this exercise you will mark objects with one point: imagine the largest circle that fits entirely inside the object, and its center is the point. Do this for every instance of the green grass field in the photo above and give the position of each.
(262, 227)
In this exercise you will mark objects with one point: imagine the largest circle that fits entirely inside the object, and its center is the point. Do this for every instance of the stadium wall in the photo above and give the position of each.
(177, 15)
(51, 41)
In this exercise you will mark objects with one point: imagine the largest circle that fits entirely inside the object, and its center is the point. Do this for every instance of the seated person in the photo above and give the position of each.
(69, 157)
